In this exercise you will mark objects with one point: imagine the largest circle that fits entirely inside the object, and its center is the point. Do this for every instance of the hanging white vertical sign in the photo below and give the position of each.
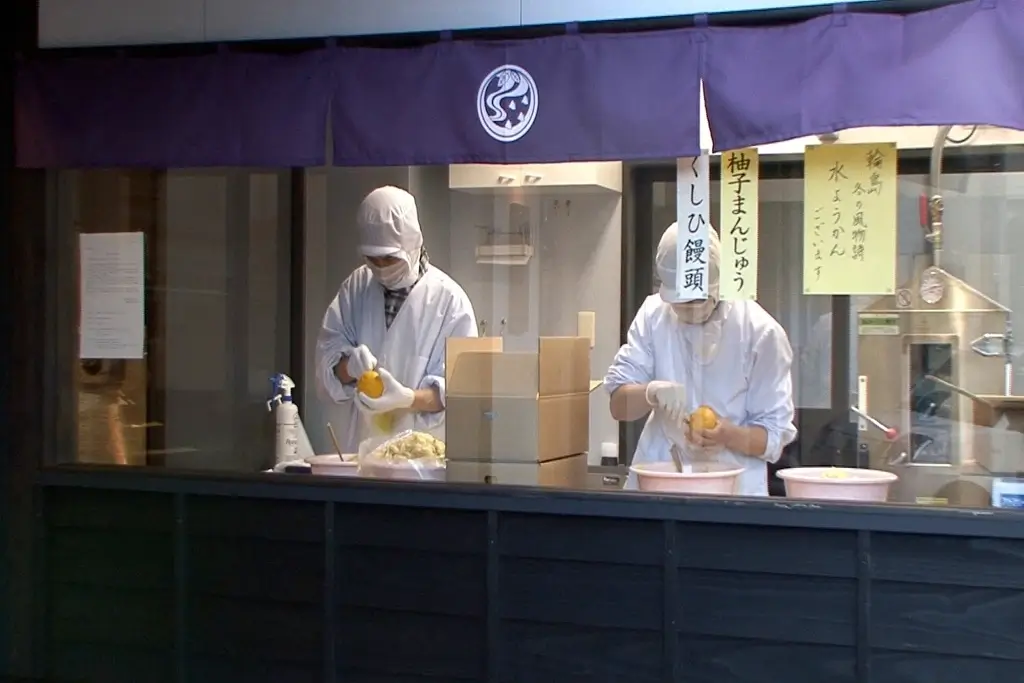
(693, 214)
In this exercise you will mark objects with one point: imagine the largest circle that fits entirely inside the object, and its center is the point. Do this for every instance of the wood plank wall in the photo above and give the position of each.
(161, 587)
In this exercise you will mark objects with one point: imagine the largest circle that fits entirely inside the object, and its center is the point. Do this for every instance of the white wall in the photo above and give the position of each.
(576, 267)
(71, 23)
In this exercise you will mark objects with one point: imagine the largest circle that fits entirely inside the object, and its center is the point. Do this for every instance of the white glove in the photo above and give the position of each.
(360, 360)
(668, 397)
(395, 396)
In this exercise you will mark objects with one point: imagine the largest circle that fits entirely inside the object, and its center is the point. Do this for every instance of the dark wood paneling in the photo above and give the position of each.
(250, 670)
(590, 610)
(92, 663)
(110, 586)
(410, 587)
(110, 510)
(731, 660)
(418, 595)
(412, 581)
(254, 629)
(581, 593)
(768, 607)
(111, 616)
(111, 559)
(534, 652)
(950, 620)
(942, 609)
(983, 562)
(284, 520)
(432, 530)
(768, 550)
(382, 645)
(892, 667)
(616, 541)
(257, 569)
(254, 590)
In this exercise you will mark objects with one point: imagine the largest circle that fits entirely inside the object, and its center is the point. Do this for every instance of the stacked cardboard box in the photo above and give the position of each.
(518, 418)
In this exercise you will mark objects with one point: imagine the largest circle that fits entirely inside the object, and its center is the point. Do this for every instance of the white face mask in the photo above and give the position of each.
(395, 276)
(695, 313)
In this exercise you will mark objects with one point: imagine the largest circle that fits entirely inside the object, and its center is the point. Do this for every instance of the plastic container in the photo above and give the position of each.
(286, 419)
(408, 470)
(707, 478)
(334, 466)
(837, 483)
(373, 466)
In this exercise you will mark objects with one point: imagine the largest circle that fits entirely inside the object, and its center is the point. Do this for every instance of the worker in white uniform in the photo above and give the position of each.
(729, 355)
(393, 315)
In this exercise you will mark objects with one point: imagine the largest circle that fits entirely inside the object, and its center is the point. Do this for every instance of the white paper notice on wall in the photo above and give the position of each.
(693, 213)
(112, 270)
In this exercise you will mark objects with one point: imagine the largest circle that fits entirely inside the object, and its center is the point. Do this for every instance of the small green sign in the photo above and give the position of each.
(876, 324)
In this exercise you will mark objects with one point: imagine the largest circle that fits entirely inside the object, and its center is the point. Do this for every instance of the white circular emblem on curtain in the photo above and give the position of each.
(507, 103)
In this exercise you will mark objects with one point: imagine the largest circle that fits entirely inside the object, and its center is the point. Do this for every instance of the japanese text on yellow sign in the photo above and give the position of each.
(850, 219)
(739, 224)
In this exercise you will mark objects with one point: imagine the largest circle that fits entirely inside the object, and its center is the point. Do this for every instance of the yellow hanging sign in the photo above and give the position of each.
(850, 219)
(738, 224)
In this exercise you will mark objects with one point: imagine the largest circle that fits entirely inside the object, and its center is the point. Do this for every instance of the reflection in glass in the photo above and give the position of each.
(216, 323)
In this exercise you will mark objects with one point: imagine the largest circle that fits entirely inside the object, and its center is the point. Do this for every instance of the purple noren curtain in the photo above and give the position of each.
(214, 110)
(565, 98)
(961, 64)
(573, 97)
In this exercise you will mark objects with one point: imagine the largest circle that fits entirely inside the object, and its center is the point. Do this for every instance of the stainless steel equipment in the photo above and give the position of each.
(911, 346)
(935, 364)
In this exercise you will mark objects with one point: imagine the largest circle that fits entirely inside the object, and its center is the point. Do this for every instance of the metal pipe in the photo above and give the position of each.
(1008, 358)
(933, 232)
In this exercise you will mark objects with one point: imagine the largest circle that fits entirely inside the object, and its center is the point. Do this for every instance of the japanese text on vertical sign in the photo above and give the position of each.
(850, 219)
(739, 223)
(694, 220)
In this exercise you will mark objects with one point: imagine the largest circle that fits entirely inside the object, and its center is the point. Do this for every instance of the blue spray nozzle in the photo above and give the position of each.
(282, 387)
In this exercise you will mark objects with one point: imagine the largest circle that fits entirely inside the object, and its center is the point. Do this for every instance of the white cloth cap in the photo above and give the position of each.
(665, 264)
(389, 225)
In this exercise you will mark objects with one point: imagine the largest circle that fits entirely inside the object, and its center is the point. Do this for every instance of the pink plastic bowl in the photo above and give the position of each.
(853, 484)
(702, 478)
(333, 465)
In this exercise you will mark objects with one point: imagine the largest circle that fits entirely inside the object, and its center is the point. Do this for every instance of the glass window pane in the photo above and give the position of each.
(216, 317)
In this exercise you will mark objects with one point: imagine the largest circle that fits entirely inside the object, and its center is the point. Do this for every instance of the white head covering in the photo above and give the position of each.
(665, 263)
(389, 226)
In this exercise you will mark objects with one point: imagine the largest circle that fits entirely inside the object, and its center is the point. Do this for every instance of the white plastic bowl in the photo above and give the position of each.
(851, 483)
(333, 465)
(707, 478)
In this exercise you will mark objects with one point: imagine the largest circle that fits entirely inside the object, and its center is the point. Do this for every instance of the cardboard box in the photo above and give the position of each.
(517, 407)
(570, 472)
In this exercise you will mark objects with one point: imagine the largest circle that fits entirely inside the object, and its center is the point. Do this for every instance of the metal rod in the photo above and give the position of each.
(959, 390)
(934, 235)
(888, 431)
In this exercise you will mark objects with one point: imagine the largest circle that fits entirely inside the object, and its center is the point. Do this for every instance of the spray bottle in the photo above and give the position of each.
(286, 417)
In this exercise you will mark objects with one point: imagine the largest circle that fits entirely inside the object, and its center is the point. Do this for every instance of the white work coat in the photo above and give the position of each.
(747, 380)
(412, 349)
